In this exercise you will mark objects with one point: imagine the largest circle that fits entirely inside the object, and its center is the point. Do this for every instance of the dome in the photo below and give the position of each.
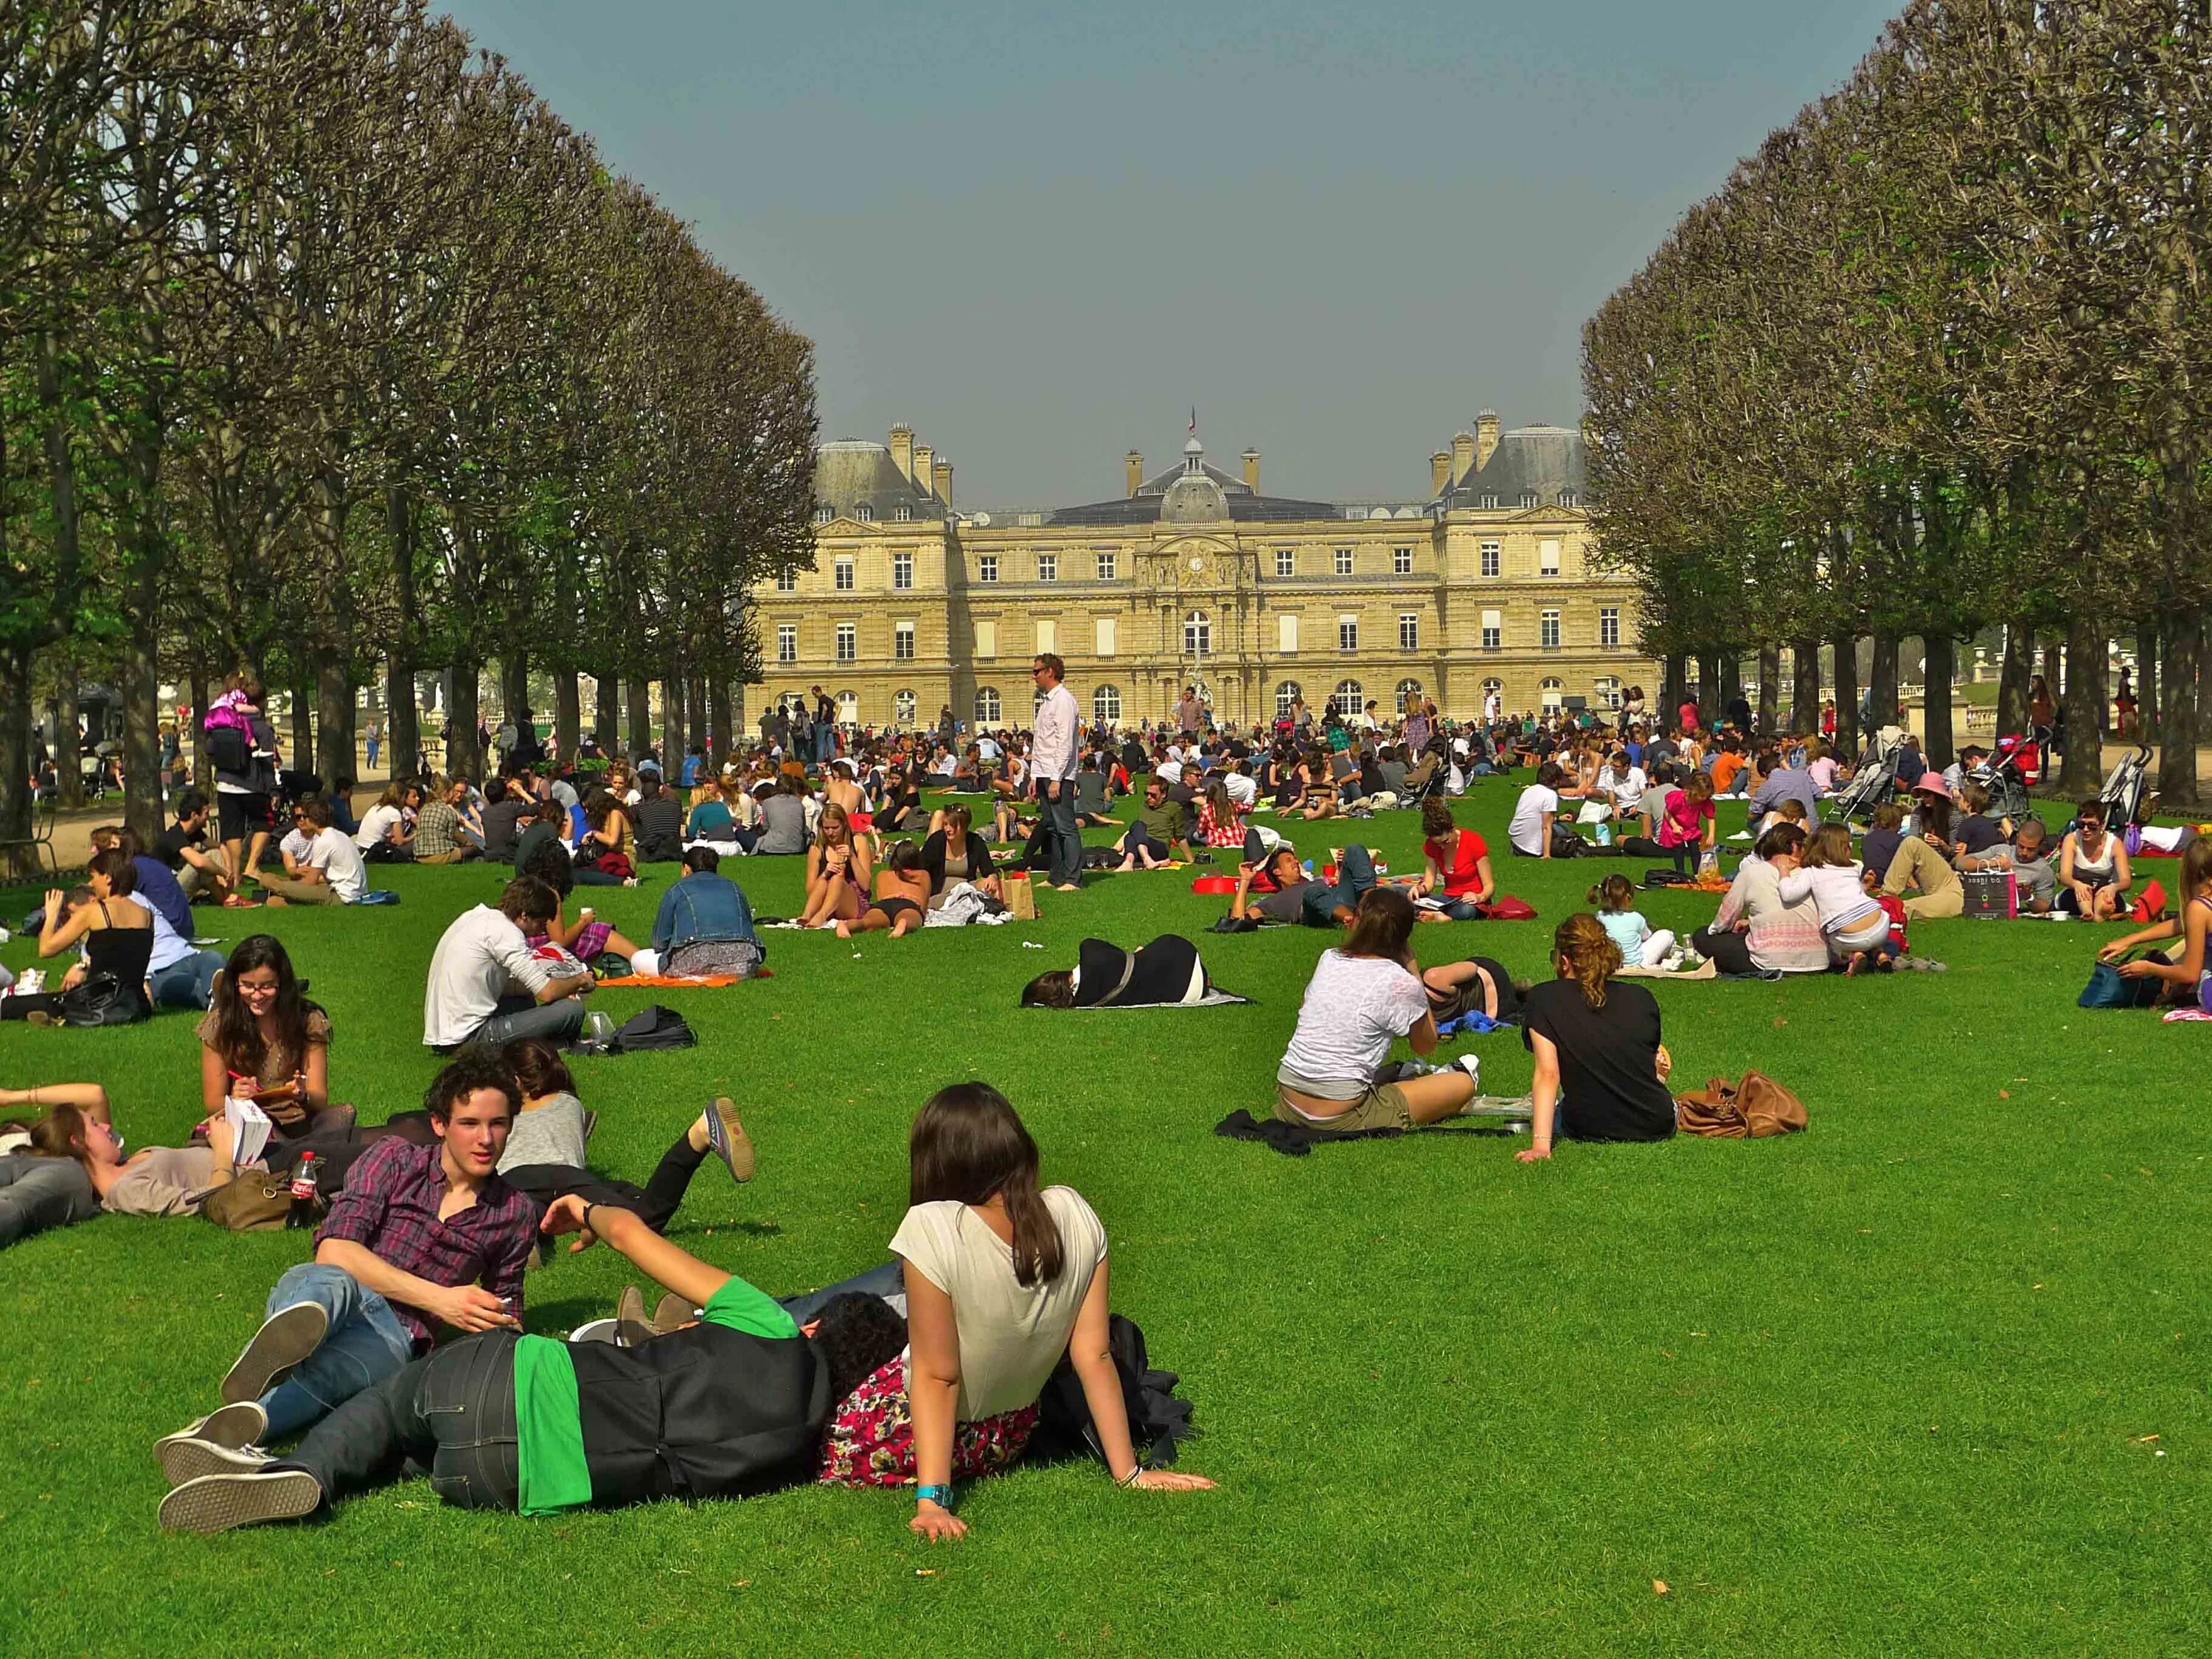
(1193, 498)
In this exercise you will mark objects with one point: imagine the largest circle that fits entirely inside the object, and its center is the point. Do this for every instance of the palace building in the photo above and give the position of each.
(1192, 575)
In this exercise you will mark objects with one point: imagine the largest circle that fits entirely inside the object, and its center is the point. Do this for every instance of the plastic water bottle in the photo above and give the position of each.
(1605, 832)
(303, 1213)
(598, 1028)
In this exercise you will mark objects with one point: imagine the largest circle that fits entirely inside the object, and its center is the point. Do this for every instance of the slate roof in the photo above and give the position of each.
(853, 472)
(1544, 460)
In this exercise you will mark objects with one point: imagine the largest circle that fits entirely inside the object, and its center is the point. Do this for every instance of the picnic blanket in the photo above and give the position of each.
(1705, 970)
(1214, 998)
(704, 982)
(1296, 1140)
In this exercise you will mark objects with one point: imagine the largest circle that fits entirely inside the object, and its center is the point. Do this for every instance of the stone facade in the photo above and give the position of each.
(1196, 576)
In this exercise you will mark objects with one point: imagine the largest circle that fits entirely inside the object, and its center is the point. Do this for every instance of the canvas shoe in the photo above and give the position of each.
(729, 1139)
(630, 1326)
(184, 1458)
(217, 1503)
(233, 1426)
(286, 1337)
(672, 1313)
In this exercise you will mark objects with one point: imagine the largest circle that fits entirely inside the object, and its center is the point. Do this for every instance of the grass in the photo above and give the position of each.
(1930, 1378)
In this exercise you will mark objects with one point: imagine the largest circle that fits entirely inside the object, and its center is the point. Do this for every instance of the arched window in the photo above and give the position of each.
(1493, 689)
(1106, 705)
(849, 709)
(1407, 688)
(1286, 694)
(792, 702)
(986, 705)
(1197, 635)
(1608, 691)
(904, 706)
(1349, 696)
(864, 513)
(1555, 693)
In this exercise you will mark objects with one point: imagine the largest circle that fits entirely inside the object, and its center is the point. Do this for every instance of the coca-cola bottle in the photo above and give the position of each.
(303, 1192)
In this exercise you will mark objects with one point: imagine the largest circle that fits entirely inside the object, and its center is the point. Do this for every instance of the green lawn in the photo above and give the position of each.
(1930, 1378)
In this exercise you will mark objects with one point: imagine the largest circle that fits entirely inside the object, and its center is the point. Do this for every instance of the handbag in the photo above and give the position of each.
(99, 1000)
(2107, 989)
(253, 1201)
(1755, 1108)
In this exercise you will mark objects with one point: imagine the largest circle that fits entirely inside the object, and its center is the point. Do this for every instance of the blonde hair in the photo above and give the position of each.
(1589, 951)
(1829, 847)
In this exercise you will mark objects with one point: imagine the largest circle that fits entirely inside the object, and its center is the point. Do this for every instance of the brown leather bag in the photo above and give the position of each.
(252, 1201)
(1756, 1108)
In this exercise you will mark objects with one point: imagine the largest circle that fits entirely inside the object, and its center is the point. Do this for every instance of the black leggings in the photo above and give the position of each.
(655, 1203)
(452, 1412)
(1730, 952)
(1685, 857)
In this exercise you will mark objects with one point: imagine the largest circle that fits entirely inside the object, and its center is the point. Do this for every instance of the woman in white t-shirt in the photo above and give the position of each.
(1531, 830)
(1364, 996)
(1001, 1281)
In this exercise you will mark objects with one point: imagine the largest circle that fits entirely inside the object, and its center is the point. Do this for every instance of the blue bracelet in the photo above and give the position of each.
(941, 1496)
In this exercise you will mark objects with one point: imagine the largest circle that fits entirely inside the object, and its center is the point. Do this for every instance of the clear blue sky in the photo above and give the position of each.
(1041, 232)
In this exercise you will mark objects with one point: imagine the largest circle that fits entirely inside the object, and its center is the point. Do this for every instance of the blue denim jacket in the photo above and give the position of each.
(703, 908)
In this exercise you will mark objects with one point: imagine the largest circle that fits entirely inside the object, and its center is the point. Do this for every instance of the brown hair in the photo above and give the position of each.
(1829, 847)
(1888, 815)
(1436, 819)
(114, 864)
(1590, 952)
(822, 825)
(1783, 838)
(538, 1068)
(957, 821)
(59, 1133)
(969, 1145)
(1054, 989)
(528, 899)
(1615, 892)
(1382, 926)
(2195, 867)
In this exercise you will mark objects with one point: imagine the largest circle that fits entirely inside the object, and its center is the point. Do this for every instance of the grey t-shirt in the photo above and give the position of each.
(551, 1133)
(785, 816)
(1090, 794)
(2037, 877)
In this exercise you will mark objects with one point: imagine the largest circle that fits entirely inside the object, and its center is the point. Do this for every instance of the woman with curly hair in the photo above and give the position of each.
(1600, 1068)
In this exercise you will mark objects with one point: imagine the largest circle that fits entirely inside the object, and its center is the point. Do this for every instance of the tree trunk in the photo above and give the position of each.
(2012, 680)
(402, 729)
(639, 697)
(1805, 687)
(15, 758)
(1770, 687)
(1728, 684)
(463, 755)
(1845, 684)
(2183, 636)
(142, 703)
(567, 714)
(1673, 691)
(698, 721)
(68, 748)
(717, 718)
(2084, 703)
(606, 711)
(1940, 657)
(195, 741)
(514, 688)
(1709, 687)
(334, 750)
(1881, 681)
(2147, 681)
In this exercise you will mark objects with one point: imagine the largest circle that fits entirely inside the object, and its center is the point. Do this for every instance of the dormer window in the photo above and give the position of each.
(824, 514)
(1488, 503)
(864, 513)
(1527, 499)
(1568, 498)
(902, 514)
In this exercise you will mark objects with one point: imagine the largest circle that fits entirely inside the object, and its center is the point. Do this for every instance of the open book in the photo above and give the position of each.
(249, 1128)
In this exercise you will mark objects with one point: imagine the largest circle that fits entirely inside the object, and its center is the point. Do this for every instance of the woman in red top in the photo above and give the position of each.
(1459, 863)
(1219, 822)
(1686, 824)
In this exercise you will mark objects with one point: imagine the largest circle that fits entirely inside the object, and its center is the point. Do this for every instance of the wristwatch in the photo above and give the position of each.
(941, 1496)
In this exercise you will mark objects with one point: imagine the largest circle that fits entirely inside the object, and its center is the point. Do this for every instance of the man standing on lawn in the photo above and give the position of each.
(1052, 768)
(420, 1237)
(488, 986)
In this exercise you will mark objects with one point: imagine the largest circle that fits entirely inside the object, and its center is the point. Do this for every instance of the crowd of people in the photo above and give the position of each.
(403, 1339)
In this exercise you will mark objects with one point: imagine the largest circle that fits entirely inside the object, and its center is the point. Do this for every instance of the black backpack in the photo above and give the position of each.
(229, 750)
(651, 1028)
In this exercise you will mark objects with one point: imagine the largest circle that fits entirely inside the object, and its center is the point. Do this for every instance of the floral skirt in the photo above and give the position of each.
(870, 1439)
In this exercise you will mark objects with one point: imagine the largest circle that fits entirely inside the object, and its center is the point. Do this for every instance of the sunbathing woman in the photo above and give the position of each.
(1003, 1280)
(2188, 981)
(837, 871)
(901, 900)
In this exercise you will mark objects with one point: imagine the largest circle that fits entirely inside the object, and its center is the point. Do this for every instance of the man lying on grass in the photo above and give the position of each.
(420, 1237)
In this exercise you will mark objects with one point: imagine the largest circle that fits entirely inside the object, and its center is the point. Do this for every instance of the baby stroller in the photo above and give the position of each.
(1870, 786)
(2124, 790)
(2007, 774)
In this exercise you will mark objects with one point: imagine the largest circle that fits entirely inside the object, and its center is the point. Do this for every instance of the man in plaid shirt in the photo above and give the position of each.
(420, 1237)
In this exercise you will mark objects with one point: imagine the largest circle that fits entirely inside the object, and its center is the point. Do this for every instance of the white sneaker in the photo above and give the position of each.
(1472, 1065)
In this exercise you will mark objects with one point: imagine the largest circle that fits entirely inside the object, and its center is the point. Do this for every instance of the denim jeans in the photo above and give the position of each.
(187, 982)
(523, 1015)
(1355, 874)
(1065, 840)
(365, 1344)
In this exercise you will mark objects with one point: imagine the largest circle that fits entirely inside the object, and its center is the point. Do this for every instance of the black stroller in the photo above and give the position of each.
(2004, 775)
(1870, 786)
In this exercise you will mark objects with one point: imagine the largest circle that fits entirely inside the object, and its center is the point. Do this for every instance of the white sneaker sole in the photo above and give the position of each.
(217, 1503)
(184, 1459)
(231, 1426)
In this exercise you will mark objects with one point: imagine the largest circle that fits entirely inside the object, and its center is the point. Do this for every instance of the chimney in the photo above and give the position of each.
(921, 472)
(903, 448)
(1440, 470)
(1463, 455)
(940, 481)
(1485, 437)
(1252, 470)
(1135, 464)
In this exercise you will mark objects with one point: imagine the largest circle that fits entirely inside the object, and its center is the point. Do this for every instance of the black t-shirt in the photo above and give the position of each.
(1978, 834)
(502, 823)
(1608, 1060)
(169, 845)
(1878, 848)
